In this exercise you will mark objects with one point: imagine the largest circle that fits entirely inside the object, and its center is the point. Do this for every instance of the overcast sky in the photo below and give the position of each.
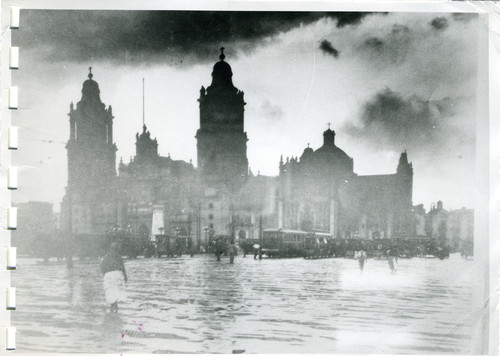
(385, 81)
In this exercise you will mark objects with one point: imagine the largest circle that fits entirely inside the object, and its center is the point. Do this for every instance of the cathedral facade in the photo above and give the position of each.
(151, 194)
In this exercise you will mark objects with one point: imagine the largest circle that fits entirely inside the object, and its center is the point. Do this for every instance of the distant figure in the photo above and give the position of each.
(256, 248)
(260, 252)
(113, 269)
(390, 259)
(231, 252)
(361, 259)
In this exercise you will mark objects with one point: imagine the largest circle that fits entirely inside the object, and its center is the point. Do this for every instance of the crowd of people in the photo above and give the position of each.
(114, 274)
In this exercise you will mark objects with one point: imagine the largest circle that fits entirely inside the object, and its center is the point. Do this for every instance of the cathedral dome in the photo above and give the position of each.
(308, 151)
(330, 154)
(222, 74)
(90, 90)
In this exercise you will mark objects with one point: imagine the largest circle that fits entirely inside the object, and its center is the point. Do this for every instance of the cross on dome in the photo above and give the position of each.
(222, 56)
(90, 73)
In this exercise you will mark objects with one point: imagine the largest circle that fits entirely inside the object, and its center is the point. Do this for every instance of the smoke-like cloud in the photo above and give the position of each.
(398, 29)
(178, 37)
(439, 23)
(463, 16)
(374, 43)
(391, 46)
(391, 121)
(271, 111)
(327, 47)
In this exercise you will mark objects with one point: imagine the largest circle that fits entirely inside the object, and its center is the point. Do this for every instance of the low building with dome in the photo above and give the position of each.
(321, 192)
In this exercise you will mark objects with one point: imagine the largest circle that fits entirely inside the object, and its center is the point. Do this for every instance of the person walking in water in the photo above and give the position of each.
(114, 277)
(231, 252)
(390, 259)
(362, 259)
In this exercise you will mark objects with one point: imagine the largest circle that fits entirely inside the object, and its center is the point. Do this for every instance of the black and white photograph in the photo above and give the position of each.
(265, 180)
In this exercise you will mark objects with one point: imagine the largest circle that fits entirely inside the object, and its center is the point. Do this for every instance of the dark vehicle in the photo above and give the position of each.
(247, 245)
(318, 245)
(283, 243)
(170, 246)
(131, 245)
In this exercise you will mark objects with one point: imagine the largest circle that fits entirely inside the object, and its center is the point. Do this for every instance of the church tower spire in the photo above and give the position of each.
(91, 150)
(221, 138)
(91, 163)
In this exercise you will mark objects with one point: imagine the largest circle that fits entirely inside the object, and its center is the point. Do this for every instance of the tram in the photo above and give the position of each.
(283, 243)
(318, 245)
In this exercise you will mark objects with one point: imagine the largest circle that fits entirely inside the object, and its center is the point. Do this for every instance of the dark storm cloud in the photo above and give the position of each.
(326, 46)
(374, 43)
(180, 36)
(439, 23)
(392, 121)
(388, 47)
(398, 29)
(463, 16)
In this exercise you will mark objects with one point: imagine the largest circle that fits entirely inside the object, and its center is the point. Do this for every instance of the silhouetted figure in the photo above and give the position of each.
(390, 260)
(361, 259)
(231, 252)
(260, 253)
(69, 261)
(114, 273)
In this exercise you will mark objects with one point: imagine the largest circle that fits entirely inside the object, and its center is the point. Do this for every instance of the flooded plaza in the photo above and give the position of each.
(199, 305)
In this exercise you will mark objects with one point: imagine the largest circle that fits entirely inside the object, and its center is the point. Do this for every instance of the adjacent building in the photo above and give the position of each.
(321, 192)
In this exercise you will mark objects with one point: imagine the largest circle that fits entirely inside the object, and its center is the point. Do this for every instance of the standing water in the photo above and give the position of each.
(199, 305)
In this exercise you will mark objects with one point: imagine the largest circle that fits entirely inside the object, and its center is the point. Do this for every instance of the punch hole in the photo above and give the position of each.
(14, 57)
(15, 12)
(11, 258)
(10, 338)
(12, 218)
(12, 178)
(13, 96)
(13, 142)
(11, 298)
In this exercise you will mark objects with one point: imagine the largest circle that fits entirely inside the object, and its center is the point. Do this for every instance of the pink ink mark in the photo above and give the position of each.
(123, 335)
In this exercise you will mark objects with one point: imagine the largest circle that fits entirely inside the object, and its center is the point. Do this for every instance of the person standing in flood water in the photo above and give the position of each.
(362, 259)
(231, 252)
(390, 259)
(114, 277)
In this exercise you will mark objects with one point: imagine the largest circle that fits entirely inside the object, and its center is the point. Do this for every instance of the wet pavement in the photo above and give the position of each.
(199, 305)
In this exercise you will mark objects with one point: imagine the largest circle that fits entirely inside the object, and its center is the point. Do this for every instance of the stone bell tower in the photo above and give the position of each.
(90, 199)
(221, 138)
